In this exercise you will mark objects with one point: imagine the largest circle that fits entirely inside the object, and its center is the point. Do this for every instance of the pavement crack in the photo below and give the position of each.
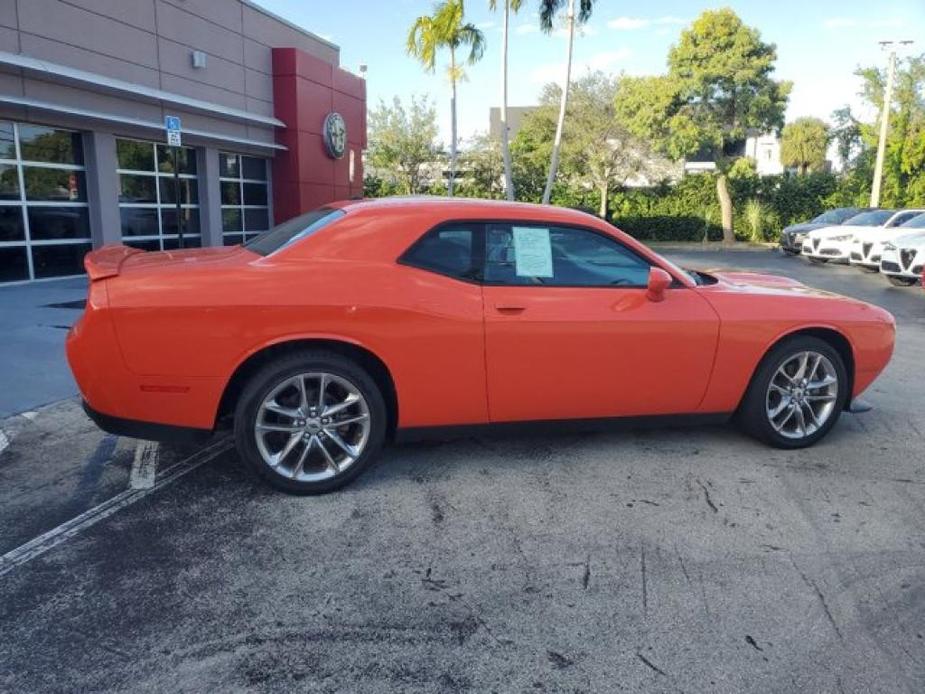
(751, 642)
(559, 661)
(586, 578)
(649, 664)
(706, 496)
(645, 587)
(820, 596)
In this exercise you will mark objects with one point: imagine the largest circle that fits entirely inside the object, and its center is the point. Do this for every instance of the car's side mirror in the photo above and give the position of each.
(659, 281)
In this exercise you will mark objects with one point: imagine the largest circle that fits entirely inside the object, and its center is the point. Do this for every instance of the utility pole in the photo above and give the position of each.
(884, 120)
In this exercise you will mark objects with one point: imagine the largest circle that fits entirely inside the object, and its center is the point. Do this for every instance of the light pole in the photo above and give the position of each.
(884, 120)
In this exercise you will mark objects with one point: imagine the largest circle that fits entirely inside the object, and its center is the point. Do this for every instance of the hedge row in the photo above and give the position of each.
(689, 211)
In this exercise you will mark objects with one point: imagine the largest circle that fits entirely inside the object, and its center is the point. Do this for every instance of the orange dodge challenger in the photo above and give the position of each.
(339, 329)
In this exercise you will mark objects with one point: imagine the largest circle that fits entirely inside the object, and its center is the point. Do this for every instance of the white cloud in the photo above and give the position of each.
(485, 26)
(527, 29)
(628, 23)
(633, 23)
(555, 72)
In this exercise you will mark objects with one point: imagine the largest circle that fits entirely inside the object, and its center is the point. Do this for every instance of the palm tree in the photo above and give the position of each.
(445, 29)
(509, 5)
(548, 11)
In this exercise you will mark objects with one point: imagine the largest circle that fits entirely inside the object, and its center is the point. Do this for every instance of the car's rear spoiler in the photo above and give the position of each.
(107, 261)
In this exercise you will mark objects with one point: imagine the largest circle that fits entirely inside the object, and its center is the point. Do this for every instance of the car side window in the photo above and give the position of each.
(559, 256)
(903, 218)
(449, 250)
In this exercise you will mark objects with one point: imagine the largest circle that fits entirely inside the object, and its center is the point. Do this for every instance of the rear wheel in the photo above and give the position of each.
(902, 281)
(797, 393)
(817, 261)
(310, 422)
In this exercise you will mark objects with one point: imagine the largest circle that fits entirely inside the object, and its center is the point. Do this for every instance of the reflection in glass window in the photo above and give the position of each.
(54, 185)
(11, 224)
(58, 223)
(44, 218)
(580, 258)
(148, 195)
(245, 197)
(38, 143)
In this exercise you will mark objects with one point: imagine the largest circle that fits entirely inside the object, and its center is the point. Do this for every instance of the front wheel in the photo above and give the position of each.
(310, 422)
(902, 281)
(797, 393)
(868, 268)
(817, 261)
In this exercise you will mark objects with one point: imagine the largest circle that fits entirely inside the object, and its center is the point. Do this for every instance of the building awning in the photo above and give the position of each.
(100, 83)
(135, 122)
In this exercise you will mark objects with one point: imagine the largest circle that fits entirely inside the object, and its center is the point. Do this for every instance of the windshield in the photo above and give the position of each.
(874, 218)
(915, 223)
(836, 216)
(293, 230)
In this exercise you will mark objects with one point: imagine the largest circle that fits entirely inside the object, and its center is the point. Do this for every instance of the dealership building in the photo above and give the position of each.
(271, 126)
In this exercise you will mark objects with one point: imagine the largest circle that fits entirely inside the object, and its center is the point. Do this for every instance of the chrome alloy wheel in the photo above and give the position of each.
(802, 395)
(312, 426)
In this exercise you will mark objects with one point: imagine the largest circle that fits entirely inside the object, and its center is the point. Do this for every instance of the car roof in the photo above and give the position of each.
(466, 206)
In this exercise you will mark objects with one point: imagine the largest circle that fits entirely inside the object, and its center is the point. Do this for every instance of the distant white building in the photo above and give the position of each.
(764, 151)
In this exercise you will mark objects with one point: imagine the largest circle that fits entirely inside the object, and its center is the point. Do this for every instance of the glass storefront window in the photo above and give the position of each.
(148, 195)
(44, 217)
(245, 197)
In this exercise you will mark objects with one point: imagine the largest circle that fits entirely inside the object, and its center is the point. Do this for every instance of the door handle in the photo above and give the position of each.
(509, 309)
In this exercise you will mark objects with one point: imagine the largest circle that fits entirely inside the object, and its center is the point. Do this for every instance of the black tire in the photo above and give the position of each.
(752, 415)
(902, 281)
(867, 268)
(817, 261)
(277, 371)
(790, 251)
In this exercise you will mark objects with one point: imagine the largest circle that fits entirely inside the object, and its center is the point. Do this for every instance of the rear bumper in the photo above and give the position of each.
(150, 431)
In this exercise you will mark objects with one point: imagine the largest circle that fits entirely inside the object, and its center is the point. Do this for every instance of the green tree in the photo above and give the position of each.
(548, 11)
(446, 28)
(718, 89)
(508, 7)
(803, 144)
(402, 144)
(597, 150)
(904, 164)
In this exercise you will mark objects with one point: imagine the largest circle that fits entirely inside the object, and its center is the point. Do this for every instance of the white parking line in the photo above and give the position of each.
(144, 466)
(65, 531)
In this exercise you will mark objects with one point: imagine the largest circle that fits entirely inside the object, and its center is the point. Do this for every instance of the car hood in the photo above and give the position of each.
(804, 227)
(915, 239)
(757, 283)
(841, 230)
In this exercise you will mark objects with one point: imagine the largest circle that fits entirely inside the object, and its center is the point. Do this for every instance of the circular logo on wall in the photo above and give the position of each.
(335, 135)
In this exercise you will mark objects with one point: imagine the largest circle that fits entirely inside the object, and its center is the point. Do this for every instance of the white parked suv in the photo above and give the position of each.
(903, 259)
(834, 242)
(867, 246)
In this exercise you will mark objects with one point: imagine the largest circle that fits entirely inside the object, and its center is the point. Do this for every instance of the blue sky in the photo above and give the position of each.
(819, 44)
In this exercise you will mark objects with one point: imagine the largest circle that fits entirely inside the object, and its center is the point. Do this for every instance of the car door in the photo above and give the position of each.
(440, 365)
(570, 333)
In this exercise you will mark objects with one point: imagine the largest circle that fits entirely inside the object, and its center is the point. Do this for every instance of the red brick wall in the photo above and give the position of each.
(305, 90)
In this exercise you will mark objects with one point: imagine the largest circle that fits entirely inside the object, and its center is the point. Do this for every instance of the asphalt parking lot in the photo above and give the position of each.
(691, 560)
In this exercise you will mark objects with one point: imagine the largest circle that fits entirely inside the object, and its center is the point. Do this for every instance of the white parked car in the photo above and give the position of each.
(903, 259)
(867, 246)
(834, 242)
